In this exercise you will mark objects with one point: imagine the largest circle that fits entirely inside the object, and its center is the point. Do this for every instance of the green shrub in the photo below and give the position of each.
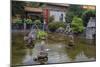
(19, 21)
(77, 25)
(41, 34)
(69, 17)
(53, 26)
(51, 19)
(37, 22)
(28, 21)
(86, 16)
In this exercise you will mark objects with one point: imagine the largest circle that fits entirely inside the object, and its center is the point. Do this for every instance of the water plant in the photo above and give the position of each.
(41, 34)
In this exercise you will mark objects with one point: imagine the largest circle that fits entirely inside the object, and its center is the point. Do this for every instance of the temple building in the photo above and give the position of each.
(58, 11)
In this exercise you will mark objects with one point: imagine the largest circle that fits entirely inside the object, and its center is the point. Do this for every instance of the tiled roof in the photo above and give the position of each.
(31, 9)
(59, 4)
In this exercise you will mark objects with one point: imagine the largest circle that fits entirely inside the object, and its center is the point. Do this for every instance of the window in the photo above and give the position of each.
(61, 17)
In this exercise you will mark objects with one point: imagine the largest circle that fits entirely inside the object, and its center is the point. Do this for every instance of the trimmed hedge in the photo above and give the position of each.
(19, 21)
(53, 26)
(28, 21)
(77, 25)
(37, 22)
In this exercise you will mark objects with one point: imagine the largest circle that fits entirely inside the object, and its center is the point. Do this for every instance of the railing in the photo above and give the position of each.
(16, 26)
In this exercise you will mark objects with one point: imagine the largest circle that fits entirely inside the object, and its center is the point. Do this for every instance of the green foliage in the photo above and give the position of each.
(76, 10)
(69, 17)
(28, 21)
(86, 16)
(73, 10)
(37, 22)
(19, 21)
(36, 4)
(53, 26)
(77, 25)
(51, 19)
(18, 7)
(41, 34)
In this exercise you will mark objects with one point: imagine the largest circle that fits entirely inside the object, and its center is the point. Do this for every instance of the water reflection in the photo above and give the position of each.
(82, 57)
(28, 59)
(57, 53)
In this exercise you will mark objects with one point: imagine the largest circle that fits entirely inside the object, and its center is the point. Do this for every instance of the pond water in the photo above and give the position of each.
(56, 48)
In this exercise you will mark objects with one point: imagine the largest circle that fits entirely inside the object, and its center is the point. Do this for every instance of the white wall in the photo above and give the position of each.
(57, 15)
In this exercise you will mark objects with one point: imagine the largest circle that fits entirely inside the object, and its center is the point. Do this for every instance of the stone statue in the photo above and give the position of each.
(70, 35)
(42, 57)
(29, 38)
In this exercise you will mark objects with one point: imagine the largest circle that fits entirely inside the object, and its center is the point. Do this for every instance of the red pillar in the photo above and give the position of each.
(46, 15)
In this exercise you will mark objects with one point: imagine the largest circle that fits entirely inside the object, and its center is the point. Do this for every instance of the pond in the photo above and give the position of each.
(83, 50)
